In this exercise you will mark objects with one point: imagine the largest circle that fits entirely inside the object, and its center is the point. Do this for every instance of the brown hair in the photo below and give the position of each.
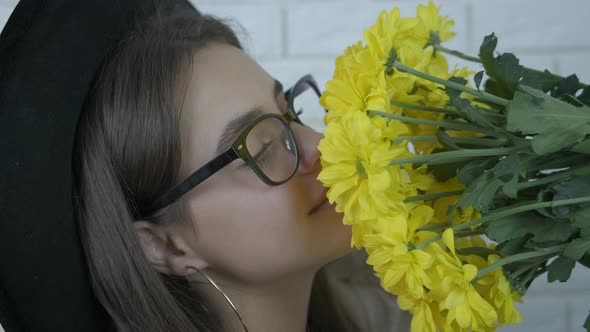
(127, 153)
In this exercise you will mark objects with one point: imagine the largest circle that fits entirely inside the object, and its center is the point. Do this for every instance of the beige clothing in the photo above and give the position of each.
(359, 295)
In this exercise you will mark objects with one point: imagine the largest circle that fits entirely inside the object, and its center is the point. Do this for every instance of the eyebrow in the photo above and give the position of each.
(233, 129)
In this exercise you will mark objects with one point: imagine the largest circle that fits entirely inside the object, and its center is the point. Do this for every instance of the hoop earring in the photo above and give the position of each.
(224, 295)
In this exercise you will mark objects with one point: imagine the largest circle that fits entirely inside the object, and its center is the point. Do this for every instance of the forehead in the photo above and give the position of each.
(224, 83)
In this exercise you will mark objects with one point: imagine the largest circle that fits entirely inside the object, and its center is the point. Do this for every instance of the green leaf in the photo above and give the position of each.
(446, 140)
(509, 188)
(568, 85)
(504, 71)
(508, 166)
(480, 193)
(577, 186)
(512, 246)
(486, 50)
(543, 229)
(585, 96)
(477, 78)
(587, 323)
(577, 248)
(557, 125)
(560, 269)
(454, 93)
(585, 260)
(554, 230)
(583, 147)
(474, 169)
(514, 226)
(542, 80)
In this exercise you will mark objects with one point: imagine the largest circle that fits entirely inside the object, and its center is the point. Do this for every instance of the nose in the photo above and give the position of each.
(307, 146)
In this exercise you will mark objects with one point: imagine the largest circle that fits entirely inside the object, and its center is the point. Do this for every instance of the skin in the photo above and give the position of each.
(258, 242)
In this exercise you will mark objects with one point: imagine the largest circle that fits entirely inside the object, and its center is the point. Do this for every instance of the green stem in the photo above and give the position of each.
(478, 60)
(455, 156)
(478, 231)
(557, 176)
(520, 257)
(423, 108)
(478, 93)
(507, 212)
(431, 197)
(443, 124)
(457, 54)
(433, 227)
(525, 268)
(459, 140)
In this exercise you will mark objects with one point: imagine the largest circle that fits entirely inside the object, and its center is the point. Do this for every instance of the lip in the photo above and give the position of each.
(323, 200)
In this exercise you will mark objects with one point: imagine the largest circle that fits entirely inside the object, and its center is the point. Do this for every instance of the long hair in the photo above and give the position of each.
(127, 153)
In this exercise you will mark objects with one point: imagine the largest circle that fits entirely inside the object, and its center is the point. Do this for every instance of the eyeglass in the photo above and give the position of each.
(267, 145)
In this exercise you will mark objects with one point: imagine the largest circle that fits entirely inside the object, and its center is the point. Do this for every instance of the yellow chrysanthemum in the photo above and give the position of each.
(465, 305)
(432, 29)
(441, 205)
(495, 288)
(425, 314)
(355, 157)
(388, 32)
(392, 253)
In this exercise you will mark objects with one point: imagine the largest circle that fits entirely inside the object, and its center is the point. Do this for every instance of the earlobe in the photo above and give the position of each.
(165, 252)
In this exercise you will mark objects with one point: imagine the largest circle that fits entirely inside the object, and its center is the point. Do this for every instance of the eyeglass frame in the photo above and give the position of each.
(239, 150)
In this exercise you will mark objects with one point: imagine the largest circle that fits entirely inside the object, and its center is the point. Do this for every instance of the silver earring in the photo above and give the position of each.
(224, 295)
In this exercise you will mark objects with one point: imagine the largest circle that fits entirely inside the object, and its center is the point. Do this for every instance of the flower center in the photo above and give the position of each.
(433, 41)
(390, 61)
(360, 169)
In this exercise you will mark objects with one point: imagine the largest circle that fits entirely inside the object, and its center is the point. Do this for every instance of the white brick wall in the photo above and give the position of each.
(294, 37)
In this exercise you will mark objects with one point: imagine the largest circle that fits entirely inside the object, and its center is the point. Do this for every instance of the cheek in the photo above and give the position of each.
(263, 232)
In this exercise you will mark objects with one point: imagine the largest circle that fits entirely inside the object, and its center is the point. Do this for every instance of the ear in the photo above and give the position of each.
(166, 251)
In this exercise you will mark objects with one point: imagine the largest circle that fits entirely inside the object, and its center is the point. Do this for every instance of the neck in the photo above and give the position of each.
(280, 305)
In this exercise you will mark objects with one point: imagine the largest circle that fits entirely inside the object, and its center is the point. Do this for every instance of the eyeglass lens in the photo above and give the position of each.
(307, 105)
(272, 147)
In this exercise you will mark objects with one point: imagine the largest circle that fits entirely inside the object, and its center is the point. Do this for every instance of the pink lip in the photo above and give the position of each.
(320, 205)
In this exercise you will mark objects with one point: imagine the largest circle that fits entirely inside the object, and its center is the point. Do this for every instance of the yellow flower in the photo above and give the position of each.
(496, 289)
(463, 215)
(392, 253)
(432, 29)
(441, 205)
(355, 158)
(465, 305)
(388, 32)
(425, 315)
(356, 86)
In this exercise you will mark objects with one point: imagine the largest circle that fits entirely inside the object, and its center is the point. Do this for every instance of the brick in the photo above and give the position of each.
(575, 63)
(261, 34)
(540, 314)
(5, 11)
(578, 306)
(325, 29)
(8, 3)
(532, 24)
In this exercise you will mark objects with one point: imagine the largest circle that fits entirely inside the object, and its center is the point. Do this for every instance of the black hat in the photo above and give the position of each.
(50, 52)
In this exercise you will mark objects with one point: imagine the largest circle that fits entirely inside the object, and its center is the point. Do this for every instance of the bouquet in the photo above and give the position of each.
(462, 194)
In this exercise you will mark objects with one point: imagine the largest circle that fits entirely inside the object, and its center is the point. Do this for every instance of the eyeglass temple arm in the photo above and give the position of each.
(193, 180)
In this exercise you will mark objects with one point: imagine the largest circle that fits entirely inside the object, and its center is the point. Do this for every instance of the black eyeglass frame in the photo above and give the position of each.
(239, 150)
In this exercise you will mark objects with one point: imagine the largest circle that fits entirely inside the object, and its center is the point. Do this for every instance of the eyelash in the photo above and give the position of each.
(259, 156)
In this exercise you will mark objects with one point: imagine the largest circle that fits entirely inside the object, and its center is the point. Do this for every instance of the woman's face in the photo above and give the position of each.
(246, 229)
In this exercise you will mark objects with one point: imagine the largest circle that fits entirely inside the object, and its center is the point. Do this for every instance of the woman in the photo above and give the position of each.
(195, 190)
